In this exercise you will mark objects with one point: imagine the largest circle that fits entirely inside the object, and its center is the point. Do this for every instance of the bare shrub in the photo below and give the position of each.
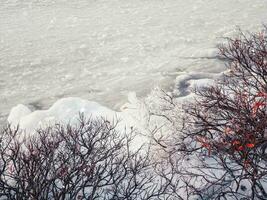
(219, 150)
(88, 161)
(224, 139)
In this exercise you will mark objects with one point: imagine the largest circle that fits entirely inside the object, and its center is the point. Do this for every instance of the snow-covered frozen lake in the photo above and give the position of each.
(102, 49)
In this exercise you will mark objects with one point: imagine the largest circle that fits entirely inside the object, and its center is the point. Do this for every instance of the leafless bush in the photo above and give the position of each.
(88, 161)
(224, 140)
(219, 150)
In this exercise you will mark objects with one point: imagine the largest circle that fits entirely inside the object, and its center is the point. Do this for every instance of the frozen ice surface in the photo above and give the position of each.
(101, 49)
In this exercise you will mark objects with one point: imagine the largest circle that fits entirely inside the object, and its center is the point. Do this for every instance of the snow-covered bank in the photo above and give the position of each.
(141, 114)
(67, 111)
(101, 50)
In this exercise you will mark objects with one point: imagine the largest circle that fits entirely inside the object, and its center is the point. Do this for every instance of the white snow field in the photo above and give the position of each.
(99, 50)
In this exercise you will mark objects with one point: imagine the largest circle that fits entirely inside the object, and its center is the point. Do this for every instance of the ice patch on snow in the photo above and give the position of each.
(185, 83)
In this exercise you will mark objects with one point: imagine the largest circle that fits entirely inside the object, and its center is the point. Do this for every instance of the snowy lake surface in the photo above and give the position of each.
(102, 49)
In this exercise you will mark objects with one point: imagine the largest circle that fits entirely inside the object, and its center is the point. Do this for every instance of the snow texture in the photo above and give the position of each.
(100, 50)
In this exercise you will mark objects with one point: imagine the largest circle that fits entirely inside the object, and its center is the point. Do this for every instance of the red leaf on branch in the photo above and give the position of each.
(204, 143)
(257, 105)
(261, 94)
(240, 148)
(250, 145)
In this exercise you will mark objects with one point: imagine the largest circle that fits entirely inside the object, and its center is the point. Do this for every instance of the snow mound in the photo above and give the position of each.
(64, 111)
(67, 111)
(17, 113)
